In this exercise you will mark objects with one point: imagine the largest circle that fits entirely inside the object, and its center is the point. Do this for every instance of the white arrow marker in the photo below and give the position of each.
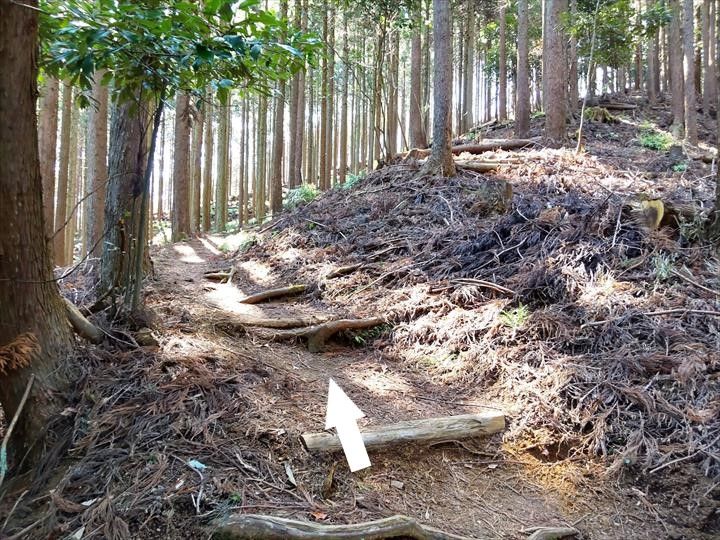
(342, 414)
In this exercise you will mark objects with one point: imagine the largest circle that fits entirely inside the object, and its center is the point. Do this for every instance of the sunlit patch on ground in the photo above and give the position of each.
(187, 254)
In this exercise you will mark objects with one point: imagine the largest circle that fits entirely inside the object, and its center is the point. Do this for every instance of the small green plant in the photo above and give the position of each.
(352, 179)
(301, 195)
(515, 318)
(655, 140)
(538, 114)
(364, 337)
(663, 267)
(680, 167)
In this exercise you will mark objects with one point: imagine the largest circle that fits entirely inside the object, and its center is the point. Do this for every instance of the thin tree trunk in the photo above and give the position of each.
(260, 176)
(161, 172)
(324, 123)
(223, 173)
(343, 162)
(502, 75)
(181, 170)
(97, 146)
(707, 66)
(651, 58)
(196, 168)
(689, 65)
(73, 184)
(62, 183)
(574, 94)
(676, 69)
(276, 180)
(48, 126)
(310, 157)
(522, 112)
(330, 139)
(391, 118)
(468, 61)
(418, 137)
(441, 159)
(207, 172)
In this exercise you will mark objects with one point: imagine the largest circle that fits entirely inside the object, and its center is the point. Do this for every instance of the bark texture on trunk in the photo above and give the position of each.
(522, 108)
(48, 125)
(35, 338)
(196, 166)
(691, 134)
(97, 170)
(418, 137)
(676, 69)
(181, 169)
(441, 159)
(63, 173)
(276, 179)
(502, 73)
(207, 166)
(554, 72)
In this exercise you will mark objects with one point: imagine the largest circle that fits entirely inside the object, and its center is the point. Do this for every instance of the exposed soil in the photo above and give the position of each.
(596, 335)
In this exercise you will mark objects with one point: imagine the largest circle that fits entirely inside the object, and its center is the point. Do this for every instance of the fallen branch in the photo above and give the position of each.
(292, 290)
(318, 334)
(253, 526)
(219, 275)
(81, 325)
(552, 533)
(618, 106)
(262, 322)
(480, 147)
(424, 430)
(343, 270)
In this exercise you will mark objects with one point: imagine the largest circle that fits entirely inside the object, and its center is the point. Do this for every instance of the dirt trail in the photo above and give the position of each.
(466, 487)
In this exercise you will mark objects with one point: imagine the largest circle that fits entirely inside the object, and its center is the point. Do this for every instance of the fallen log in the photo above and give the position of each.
(424, 430)
(553, 533)
(485, 145)
(218, 275)
(343, 270)
(81, 325)
(618, 106)
(292, 290)
(284, 323)
(253, 526)
(318, 334)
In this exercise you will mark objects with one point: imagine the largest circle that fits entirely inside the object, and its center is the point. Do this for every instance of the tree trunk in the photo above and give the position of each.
(574, 94)
(161, 172)
(391, 118)
(441, 160)
(468, 61)
(207, 166)
(418, 137)
(554, 76)
(691, 135)
(522, 110)
(310, 155)
(676, 69)
(97, 172)
(502, 72)
(196, 168)
(651, 59)
(343, 163)
(260, 175)
(708, 65)
(330, 139)
(73, 185)
(221, 181)
(276, 180)
(181, 169)
(63, 171)
(324, 123)
(296, 173)
(35, 337)
(49, 95)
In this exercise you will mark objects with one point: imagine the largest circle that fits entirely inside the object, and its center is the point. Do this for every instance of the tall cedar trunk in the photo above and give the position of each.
(468, 61)
(676, 69)
(310, 160)
(295, 121)
(441, 159)
(502, 75)
(48, 125)
(554, 68)
(376, 109)
(296, 174)
(181, 169)
(207, 166)
(97, 172)
(637, 83)
(330, 140)
(276, 179)
(161, 172)
(462, 26)
(221, 178)
(126, 153)
(522, 108)
(343, 161)
(391, 119)
(260, 174)
(72, 188)
(63, 171)
(689, 71)
(32, 315)
(196, 168)
(243, 217)
(418, 137)
(707, 66)
(573, 92)
(712, 88)
(651, 59)
(324, 123)
(427, 86)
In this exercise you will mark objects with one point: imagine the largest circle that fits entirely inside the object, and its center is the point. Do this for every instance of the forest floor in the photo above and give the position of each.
(595, 334)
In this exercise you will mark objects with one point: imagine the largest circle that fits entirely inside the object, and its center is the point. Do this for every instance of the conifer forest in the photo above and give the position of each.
(360, 269)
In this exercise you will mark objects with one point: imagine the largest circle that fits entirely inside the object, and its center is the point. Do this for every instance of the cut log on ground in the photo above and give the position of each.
(480, 147)
(219, 275)
(81, 325)
(318, 334)
(252, 526)
(618, 106)
(553, 533)
(424, 430)
(244, 320)
(270, 294)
